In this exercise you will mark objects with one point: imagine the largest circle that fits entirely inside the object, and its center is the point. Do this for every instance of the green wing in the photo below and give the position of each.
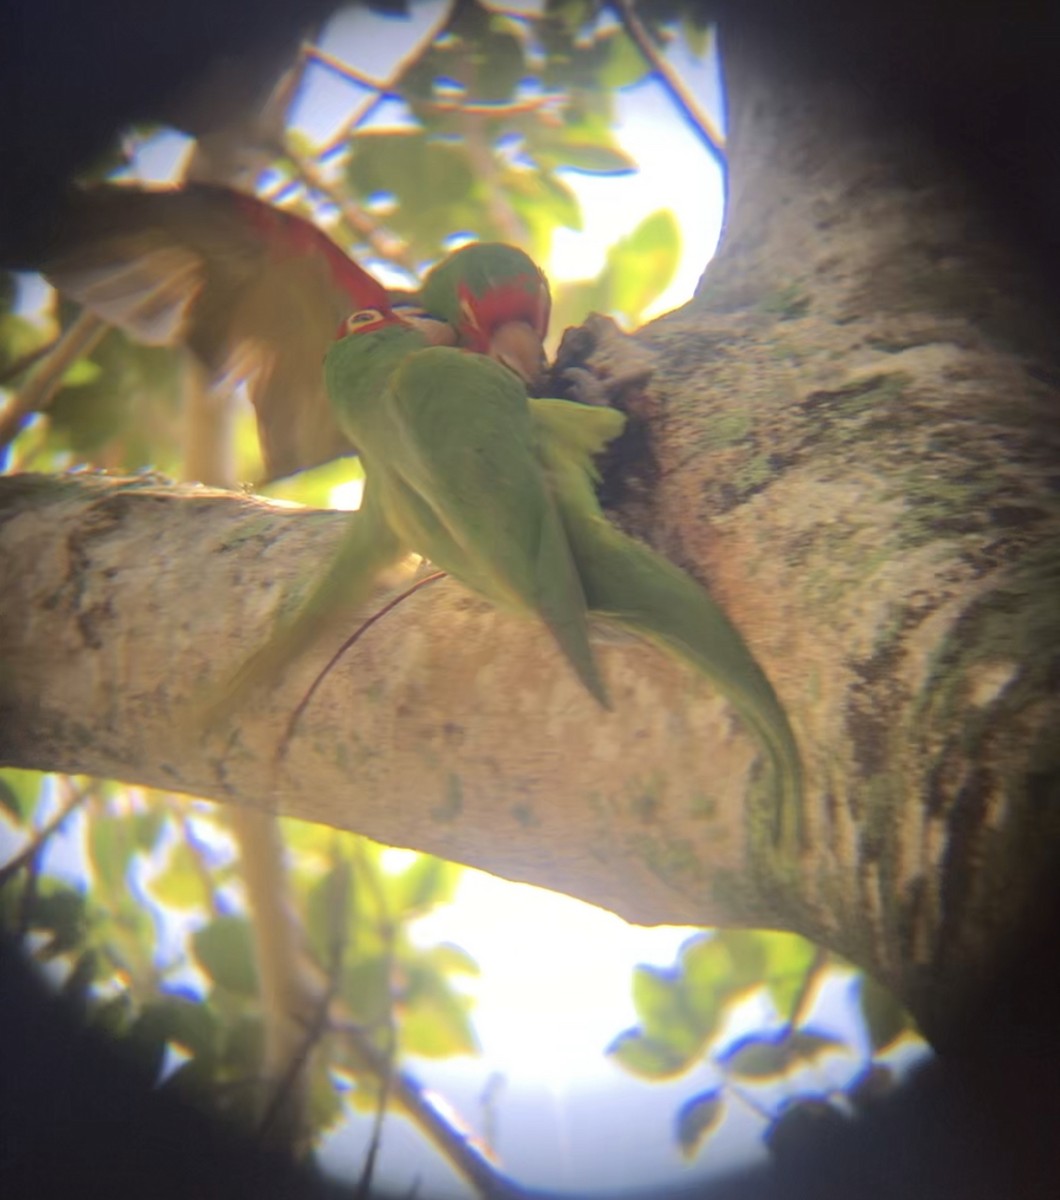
(368, 548)
(456, 462)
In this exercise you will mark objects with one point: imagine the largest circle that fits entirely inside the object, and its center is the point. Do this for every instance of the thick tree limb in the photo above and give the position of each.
(449, 728)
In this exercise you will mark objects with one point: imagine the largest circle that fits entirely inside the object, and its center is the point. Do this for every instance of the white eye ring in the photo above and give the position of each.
(364, 316)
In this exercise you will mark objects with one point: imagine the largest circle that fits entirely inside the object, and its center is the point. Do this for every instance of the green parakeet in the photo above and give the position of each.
(451, 461)
(497, 490)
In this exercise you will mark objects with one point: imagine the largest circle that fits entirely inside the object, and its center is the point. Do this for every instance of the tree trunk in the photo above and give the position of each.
(850, 439)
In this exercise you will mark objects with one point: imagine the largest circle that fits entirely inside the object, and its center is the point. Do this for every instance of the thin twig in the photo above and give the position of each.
(484, 164)
(26, 361)
(285, 1086)
(495, 108)
(79, 339)
(386, 245)
(386, 1081)
(26, 855)
(360, 113)
(384, 89)
(817, 967)
(410, 1095)
(350, 641)
(709, 133)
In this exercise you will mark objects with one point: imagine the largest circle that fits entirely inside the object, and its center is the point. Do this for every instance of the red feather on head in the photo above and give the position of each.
(520, 298)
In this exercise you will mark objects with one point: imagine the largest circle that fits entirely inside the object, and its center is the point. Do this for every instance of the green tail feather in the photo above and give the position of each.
(368, 548)
(626, 582)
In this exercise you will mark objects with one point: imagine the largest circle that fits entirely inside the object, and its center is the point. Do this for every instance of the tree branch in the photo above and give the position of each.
(79, 339)
(37, 843)
(499, 758)
(700, 120)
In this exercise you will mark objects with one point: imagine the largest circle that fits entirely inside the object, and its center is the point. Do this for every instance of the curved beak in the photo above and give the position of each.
(436, 331)
(518, 347)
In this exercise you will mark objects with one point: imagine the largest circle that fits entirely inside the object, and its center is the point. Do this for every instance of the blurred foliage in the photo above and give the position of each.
(689, 1018)
(153, 944)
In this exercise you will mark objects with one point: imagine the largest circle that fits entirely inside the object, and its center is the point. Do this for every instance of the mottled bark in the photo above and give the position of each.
(850, 437)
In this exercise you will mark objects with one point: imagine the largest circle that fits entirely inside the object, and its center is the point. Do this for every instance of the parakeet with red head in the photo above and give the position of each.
(498, 301)
(256, 293)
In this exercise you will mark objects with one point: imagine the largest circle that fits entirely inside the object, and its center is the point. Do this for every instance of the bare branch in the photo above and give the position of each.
(79, 339)
(20, 365)
(385, 244)
(40, 839)
(711, 136)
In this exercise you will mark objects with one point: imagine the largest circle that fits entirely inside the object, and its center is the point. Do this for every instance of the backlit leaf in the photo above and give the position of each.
(225, 950)
(697, 1119)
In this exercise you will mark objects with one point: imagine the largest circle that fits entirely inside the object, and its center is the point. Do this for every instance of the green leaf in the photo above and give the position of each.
(180, 883)
(225, 950)
(789, 958)
(20, 791)
(110, 846)
(438, 1027)
(697, 33)
(572, 302)
(885, 1019)
(697, 1119)
(81, 372)
(420, 887)
(761, 1056)
(662, 1001)
(314, 487)
(325, 1103)
(147, 828)
(641, 265)
(330, 914)
(130, 412)
(18, 337)
(366, 989)
(176, 1019)
(625, 65)
(756, 1057)
(434, 1019)
(645, 1057)
(191, 1023)
(431, 179)
(62, 912)
(594, 159)
(243, 1040)
(498, 67)
(711, 977)
(451, 960)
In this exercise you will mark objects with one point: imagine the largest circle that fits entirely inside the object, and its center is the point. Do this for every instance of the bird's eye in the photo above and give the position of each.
(362, 318)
